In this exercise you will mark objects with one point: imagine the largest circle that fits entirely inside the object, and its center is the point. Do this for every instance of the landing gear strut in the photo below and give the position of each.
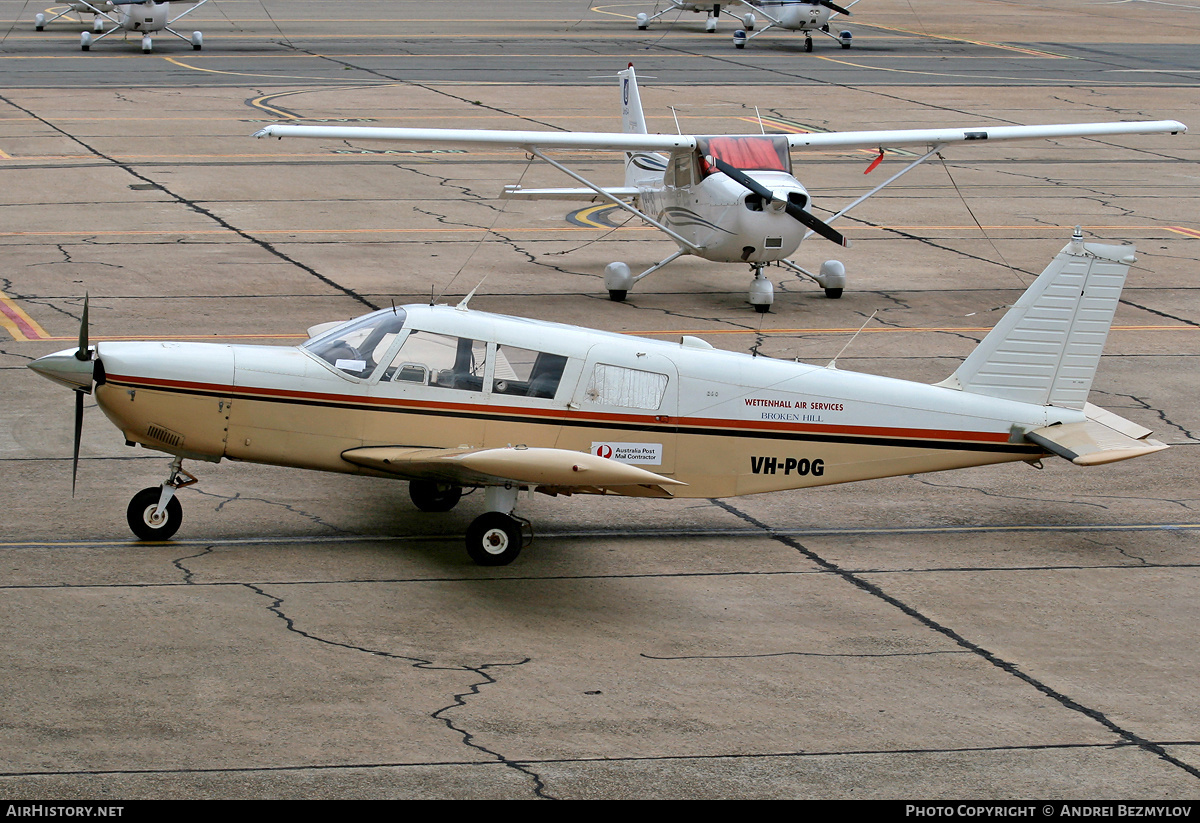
(155, 513)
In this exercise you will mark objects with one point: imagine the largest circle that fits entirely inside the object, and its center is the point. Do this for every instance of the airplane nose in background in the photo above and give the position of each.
(65, 368)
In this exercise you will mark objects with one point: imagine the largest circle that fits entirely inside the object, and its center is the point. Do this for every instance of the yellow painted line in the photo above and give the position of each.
(5, 155)
(991, 78)
(20, 325)
(1184, 231)
(1018, 49)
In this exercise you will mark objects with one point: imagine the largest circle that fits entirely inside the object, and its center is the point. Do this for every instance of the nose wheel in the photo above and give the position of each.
(155, 513)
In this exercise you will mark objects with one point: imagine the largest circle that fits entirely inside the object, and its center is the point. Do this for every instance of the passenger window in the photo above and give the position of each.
(439, 360)
(629, 388)
(527, 373)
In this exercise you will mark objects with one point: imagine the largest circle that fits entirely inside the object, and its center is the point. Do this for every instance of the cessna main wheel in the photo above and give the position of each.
(147, 522)
(429, 496)
(494, 539)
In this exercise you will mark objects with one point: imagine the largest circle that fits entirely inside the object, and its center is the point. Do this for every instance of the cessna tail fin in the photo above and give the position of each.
(1045, 350)
(640, 167)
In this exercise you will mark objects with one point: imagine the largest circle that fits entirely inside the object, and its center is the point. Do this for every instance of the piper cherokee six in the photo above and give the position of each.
(449, 399)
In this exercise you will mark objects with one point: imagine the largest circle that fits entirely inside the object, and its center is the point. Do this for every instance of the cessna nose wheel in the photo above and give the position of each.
(148, 521)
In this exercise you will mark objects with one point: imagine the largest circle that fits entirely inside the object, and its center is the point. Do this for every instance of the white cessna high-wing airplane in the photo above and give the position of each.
(143, 17)
(725, 198)
(807, 16)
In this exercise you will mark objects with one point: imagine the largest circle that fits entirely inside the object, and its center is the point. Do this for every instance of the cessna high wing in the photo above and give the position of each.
(725, 198)
(144, 17)
(450, 399)
(806, 16)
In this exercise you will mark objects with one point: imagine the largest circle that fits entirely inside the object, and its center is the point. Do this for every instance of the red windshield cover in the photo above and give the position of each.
(752, 152)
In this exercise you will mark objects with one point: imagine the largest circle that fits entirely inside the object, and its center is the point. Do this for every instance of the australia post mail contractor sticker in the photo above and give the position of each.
(645, 453)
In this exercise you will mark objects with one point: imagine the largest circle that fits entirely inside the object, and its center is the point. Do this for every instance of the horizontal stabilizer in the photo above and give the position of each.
(518, 193)
(1103, 438)
(559, 468)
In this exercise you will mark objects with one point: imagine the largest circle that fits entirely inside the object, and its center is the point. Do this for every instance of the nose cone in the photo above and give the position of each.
(65, 368)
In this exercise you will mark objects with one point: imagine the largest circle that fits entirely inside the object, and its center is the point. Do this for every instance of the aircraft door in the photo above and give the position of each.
(628, 405)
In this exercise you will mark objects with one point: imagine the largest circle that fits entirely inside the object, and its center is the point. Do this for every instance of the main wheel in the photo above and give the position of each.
(808, 44)
(146, 521)
(833, 294)
(494, 539)
(762, 308)
(618, 295)
(430, 496)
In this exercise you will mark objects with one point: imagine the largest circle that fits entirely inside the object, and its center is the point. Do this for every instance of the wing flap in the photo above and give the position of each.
(558, 468)
(1103, 438)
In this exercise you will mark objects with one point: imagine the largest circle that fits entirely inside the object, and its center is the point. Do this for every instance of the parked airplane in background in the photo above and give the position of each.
(138, 16)
(725, 198)
(807, 16)
(97, 9)
(449, 398)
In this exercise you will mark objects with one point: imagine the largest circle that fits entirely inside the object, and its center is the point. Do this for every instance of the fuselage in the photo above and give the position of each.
(724, 423)
(143, 17)
(797, 15)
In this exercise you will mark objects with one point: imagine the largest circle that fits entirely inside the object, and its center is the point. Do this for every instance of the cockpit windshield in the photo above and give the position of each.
(357, 346)
(751, 152)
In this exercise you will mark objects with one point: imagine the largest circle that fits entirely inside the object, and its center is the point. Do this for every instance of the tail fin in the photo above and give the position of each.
(640, 167)
(1045, 350)
(632, 119)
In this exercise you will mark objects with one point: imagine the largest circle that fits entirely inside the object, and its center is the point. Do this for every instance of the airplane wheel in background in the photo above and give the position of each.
(617, 295)
(494, 539)
(808, 44)
(147, 45)
(430, 496)
(144, 519)
(833, 294)
(762, 308)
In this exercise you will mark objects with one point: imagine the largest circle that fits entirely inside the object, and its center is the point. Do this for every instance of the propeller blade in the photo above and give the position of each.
(78, 435)
(817, 225)
(835, 7)
(83, 353)
(806, 219)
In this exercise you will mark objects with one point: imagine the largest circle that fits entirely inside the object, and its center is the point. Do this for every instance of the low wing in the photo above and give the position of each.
(1103, 438)
(556, 469)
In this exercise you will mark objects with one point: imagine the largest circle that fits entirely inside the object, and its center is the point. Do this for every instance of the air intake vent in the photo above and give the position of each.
(162, 435)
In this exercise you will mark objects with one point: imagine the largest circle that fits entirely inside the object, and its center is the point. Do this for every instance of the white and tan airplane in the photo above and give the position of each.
(725, 198)
(144, 17)
(449, 398)
(805, 16)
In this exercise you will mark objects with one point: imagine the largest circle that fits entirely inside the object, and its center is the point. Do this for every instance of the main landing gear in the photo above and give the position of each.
(155, 513)
(496, 537)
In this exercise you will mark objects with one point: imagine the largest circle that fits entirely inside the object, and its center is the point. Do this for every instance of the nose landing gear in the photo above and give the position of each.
(155, 513)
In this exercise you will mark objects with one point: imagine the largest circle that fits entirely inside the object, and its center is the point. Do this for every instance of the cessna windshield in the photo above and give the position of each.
(751, 152)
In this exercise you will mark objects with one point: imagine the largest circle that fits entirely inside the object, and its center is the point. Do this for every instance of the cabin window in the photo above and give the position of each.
(439, 360)
(751, 152)
(527, 373)
(357, 347)
(628, 388)
(679, 171)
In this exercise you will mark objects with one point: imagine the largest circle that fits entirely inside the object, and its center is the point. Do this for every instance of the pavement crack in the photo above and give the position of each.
(238, 497)
(188, 575)
(1126, 736)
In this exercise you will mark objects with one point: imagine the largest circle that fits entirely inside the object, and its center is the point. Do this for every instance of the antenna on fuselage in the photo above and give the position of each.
(678, 130)
(758, 117)
(833, 362)
(462, 304)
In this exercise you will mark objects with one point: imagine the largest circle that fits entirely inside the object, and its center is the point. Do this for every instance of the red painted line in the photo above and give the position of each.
(1184, 231)
(21, 320)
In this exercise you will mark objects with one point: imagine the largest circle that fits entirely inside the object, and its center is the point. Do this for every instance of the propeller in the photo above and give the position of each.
(807, 219)
(82, 354)
(835, 7)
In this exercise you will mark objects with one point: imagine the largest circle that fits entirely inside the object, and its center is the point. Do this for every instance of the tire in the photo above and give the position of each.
(140, 515)
(617, 295)
(430, 496)
(833, 294)
(762, 308)
(494, 539)
(808, 44)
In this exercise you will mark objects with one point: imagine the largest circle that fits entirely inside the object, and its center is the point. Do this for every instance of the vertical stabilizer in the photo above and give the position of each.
(1046, 348)
(641, 168)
